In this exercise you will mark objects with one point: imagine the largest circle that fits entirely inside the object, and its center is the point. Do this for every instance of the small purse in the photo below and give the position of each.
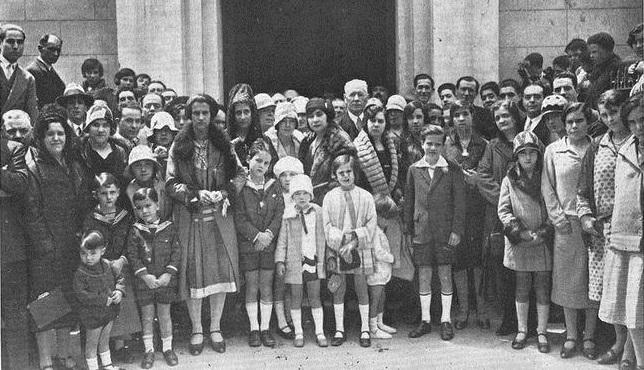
(49, 308)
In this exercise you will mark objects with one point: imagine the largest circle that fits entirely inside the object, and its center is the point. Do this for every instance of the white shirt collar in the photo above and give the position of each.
(353, 117)
(422, 163)
(4, 61)
(535, 122)
(49, 66)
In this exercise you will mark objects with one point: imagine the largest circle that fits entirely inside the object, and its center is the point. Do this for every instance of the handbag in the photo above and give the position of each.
(48, 308)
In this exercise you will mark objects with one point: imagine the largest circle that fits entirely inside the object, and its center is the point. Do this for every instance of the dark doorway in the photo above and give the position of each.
(311, 46)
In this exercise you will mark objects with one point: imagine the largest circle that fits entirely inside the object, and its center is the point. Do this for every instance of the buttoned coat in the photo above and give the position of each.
(21, 94)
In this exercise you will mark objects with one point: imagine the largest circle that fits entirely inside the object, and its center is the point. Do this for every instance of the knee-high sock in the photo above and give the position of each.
(364, 317)
(166, 344)
(266, 309)
(106, 359)
(296, 315)
(522, 316)
(543, 310)
(280, 314)
(425, 303)
(251, 309)
(338, 310)
(446, 300)
(148, 342)
(318, 319)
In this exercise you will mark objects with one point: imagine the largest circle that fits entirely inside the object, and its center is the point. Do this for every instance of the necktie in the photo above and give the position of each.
(303, 222)
(10, 68)
(351, 207)
(359, 123)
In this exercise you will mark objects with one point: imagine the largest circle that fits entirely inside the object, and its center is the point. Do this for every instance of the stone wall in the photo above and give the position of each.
(546, 26)
(87, 28)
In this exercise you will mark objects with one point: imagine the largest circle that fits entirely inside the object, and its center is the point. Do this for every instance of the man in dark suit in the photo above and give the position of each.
(17, 86)
(533, 96)
(49, 85)
(467, 87)
(355, 95)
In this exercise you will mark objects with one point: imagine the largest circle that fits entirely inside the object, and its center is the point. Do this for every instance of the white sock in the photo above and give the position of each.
(338, 309)
(251, 309)
(373, 324)
(266, 309)
(296, 315)
(318, 319)
(383, 326)
(425, 303)
(446, 315)
(278, 306)
(106, 359)
(92, 363)
(148, 343)
(166, 343)
(364, 317)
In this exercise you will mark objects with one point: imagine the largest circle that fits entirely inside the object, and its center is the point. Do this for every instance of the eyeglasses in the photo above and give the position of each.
(15, 41)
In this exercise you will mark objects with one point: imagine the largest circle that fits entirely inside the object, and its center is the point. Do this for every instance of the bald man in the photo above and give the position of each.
(49, 85)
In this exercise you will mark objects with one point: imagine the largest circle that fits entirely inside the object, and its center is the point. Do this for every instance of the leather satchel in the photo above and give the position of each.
(48, 308)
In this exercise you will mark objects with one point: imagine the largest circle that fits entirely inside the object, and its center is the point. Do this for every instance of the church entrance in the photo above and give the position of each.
(313, 47)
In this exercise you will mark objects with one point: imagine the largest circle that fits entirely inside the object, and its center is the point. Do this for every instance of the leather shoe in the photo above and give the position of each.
(544, 347)
(609, 357)
(218, 346)
(590, 353)
(196, 349)
(298, 342)
(170, 358)
(520, 344)
(447, 332)
(253, 339)
(337, 341)
(321, 339)
(148, 360)
(365, 342)
(286, 335)
(267, 339)
(568, 352)
(423, 328)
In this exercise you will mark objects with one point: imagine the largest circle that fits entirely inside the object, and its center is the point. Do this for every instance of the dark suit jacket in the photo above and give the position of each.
(435, 207)
(348, 126)
(21, 94)
(49, 85)
(483, 122)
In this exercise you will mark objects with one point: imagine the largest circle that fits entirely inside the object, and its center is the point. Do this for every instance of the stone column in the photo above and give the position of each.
(446, 40)
(178, 42)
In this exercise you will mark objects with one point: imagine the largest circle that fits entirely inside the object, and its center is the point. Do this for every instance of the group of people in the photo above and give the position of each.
(132, 199)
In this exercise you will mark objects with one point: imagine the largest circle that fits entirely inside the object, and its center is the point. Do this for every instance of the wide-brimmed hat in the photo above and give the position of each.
(141, 153)
(71, 90)
(160, 120)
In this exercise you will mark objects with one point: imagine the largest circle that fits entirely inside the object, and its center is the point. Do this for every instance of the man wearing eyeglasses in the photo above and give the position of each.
(17, 86)
(49, 85)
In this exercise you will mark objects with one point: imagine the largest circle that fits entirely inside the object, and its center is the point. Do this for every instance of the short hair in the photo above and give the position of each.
(567, 74)
(144, 75)
(411, 107)
(515, 113)
(576, 44)
(145, 193)
(124, 88)
(158, 82)
(433, 106)
(45, 39)
(632, 35)
(447, 86)
(341, 160)
(536, 83)
(92, 239)
(124, 72)
(491, 85)
(634, 102)
(458, 106)
(603, 40)
(157, 95)
(613, 99)
(91, 64)
(433, 130)
(134, 106)
(535, 59)
(562, 61)
(423, 76)
(578, 107)
(104, 179)
(509, 82)
(468, 79)
(370, 115)
(175, 106)
(202, 98)
(11, 27)
(259, 145)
